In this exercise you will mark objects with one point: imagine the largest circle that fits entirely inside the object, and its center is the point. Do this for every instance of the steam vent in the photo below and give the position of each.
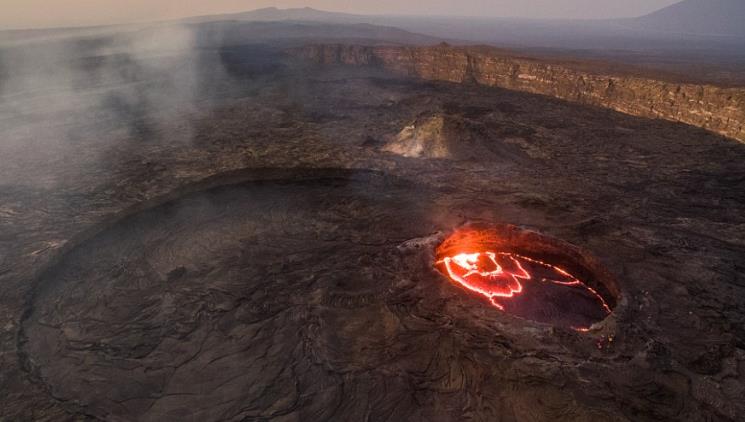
(529, 275)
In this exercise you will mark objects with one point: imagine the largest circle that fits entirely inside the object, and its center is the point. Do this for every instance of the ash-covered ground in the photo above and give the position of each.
(231, 234)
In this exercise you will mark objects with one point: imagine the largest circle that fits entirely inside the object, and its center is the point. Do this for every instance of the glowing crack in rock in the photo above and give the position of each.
(501, 276)
(483, 274)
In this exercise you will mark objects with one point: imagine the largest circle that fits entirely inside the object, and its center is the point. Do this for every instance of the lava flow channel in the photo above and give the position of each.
(504, 277)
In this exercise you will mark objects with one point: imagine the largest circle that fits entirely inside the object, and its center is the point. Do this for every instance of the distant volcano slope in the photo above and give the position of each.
(697, 17)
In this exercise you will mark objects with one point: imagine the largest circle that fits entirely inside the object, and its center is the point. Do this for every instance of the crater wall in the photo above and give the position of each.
(718, 109)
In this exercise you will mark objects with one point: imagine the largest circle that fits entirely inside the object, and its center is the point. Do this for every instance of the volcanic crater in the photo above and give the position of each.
(269, 267)
(279, 265)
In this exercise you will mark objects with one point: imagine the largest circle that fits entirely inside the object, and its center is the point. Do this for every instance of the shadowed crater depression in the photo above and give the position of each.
(242, 296)
(305, 295)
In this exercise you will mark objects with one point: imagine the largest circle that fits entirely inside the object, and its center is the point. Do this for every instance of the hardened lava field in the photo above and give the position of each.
(271, 253)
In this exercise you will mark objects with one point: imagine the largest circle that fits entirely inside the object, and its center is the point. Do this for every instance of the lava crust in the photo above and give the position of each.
(270, 276)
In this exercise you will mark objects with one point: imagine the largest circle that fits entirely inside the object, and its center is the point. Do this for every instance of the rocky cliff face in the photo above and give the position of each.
(721, 110)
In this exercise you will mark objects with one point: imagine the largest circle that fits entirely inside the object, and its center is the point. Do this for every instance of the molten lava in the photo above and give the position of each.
(487, 273)
(521, 285)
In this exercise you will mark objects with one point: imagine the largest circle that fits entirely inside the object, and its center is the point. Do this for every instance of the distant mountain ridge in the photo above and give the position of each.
(689, 17)
(711, 28)
(265, 25)
(241, 32)
(304, 14)
(697, 17)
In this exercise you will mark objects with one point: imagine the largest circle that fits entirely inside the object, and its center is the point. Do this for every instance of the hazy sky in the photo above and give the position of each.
(37, 13)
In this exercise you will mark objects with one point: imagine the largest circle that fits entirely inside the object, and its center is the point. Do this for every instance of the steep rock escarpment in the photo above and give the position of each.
(720, 110)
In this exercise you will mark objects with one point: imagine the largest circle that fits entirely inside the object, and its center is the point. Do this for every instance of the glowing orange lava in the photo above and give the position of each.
(501, 276)
(487, 273)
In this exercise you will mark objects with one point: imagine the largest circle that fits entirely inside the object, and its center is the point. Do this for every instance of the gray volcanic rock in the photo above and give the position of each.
(454, 136)
(423, 138)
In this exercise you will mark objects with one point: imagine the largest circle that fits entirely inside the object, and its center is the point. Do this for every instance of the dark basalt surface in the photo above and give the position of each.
(243, 298)
(258, 257)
